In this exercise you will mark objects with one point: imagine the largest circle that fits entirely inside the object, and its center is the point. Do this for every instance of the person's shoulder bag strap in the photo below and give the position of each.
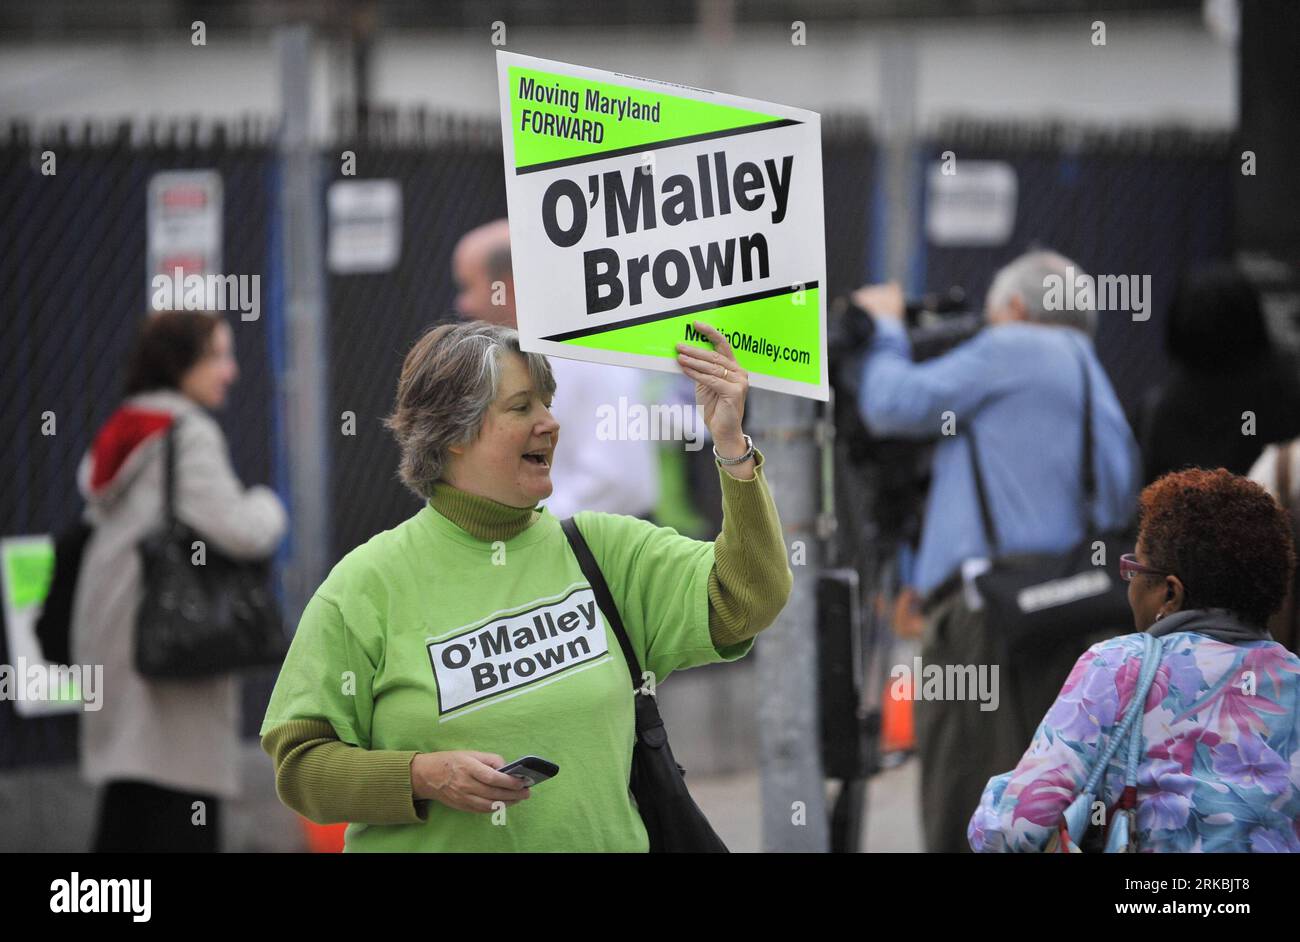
(986, 516)
(590, 569)
(1088, 471)
(673, 822)
(169, 474)
(1127, 734)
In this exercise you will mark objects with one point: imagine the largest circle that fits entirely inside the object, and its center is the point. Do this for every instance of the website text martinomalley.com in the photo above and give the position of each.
(1184, 909)
(748, 343)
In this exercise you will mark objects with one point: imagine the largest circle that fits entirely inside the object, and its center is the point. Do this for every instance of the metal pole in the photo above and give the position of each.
(793, 790)
(304, 387)
(898, 128)
(363, 28)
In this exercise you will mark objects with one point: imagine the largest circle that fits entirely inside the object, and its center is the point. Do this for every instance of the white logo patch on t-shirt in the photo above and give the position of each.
(505, 653)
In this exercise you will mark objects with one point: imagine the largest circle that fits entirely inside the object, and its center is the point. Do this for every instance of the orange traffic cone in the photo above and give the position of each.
(897, 733)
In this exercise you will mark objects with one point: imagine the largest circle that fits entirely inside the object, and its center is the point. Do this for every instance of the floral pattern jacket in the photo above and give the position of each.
(1220, 767)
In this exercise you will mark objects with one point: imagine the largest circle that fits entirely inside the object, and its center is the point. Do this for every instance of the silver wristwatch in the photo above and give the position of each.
(749, 453)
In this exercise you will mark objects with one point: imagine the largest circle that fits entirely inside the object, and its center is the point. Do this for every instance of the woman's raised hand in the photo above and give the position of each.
(720, 388)
(465, 780)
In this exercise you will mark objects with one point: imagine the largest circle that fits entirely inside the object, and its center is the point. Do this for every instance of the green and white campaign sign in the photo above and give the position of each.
(638, 207)
(36, 687)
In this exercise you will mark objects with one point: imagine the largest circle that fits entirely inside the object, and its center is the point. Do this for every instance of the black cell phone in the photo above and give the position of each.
(532, 769)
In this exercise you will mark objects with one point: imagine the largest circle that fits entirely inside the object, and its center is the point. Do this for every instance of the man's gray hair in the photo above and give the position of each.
(1027, 277)
(449, 379)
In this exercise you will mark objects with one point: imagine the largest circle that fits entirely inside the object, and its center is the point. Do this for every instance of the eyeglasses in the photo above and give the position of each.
(1130, 567)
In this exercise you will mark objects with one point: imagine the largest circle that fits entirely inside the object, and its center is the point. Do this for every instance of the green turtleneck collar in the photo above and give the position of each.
(481, 517)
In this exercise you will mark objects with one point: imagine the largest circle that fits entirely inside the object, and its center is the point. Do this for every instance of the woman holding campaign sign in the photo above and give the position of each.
(470, 636)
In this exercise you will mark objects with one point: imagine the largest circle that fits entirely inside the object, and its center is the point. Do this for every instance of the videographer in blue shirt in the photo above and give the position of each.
(1018, 385)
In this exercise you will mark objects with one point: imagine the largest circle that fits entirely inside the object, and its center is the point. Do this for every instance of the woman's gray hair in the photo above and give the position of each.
(449, 379)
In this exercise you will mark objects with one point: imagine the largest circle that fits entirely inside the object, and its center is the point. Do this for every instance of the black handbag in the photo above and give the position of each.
(199, 621)
(1045, 609)
(673, 822)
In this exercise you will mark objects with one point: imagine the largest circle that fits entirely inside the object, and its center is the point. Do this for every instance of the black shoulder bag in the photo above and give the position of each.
(673, 821)
(1047, 608)
(201, 620)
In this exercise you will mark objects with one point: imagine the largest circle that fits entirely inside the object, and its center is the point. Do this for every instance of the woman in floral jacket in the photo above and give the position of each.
(1220, 766)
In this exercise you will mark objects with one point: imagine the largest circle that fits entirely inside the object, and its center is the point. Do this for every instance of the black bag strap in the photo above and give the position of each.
(169, 474)
(604, 599)
(986, 517)
(1088, 475)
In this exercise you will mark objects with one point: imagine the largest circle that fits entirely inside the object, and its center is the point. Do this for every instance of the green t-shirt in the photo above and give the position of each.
(451, 643)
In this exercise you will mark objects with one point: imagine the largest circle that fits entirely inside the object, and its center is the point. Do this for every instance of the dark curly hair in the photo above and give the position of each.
(1224, 536)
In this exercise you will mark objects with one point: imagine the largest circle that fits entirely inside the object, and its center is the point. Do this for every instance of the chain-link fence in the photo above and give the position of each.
(450, 174)
(1137, 202)
(73, 284)
(74, 287)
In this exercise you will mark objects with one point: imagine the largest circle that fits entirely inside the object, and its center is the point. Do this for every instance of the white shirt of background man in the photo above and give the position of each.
(590, 474)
